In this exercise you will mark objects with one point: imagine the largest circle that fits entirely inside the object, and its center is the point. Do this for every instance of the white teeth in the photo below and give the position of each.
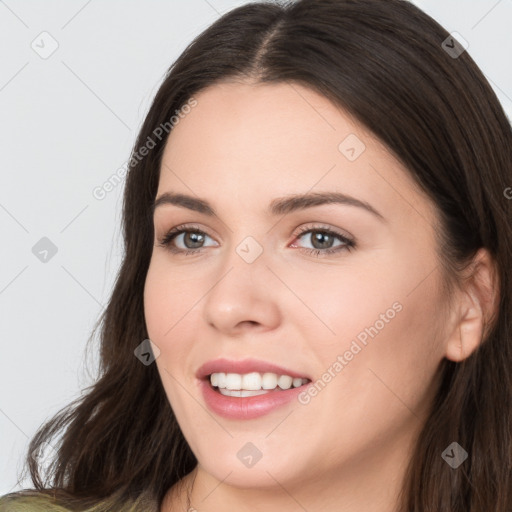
(251, 381)
(269, 381)
(241, 392)
(221, 380)
(297, 381)
(254, 383)
(285, 381)
(233, 381)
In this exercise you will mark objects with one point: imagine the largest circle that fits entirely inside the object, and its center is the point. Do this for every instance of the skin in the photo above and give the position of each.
(242, 146)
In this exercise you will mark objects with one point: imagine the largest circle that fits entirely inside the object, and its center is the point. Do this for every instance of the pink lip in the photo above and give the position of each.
(250, 407)
(246, 408)
(245, 366)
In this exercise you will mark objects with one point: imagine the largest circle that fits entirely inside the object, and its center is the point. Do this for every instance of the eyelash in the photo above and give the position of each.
(187, 228)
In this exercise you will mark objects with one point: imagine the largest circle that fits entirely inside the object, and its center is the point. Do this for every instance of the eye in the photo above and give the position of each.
(192, 238)
(322, 241)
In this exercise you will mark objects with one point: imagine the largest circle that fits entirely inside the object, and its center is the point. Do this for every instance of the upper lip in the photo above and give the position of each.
(244, 366)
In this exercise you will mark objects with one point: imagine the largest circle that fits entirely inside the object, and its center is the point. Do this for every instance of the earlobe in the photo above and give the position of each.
(476, 308)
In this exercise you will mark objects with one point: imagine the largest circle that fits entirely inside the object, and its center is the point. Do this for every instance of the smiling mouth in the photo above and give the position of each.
(253, 384)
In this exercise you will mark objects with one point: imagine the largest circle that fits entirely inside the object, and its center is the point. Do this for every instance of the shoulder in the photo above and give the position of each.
(33, 502)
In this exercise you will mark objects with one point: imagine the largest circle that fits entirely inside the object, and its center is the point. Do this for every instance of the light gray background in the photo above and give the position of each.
(67, 124)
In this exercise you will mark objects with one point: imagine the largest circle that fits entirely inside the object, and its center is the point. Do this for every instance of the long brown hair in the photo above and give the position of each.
(385, 63)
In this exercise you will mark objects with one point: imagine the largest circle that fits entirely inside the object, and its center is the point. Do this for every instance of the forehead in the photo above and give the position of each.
(265, 122)
(250, 142)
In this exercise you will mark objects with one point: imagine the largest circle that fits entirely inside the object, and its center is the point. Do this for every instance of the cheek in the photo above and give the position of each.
(157, 302)
(387, 326)
(379, 376)
(168, 302)
(390, 349)
(169, 315)
(390, 304)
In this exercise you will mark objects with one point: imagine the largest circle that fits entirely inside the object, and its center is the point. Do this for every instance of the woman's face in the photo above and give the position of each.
(358, 312)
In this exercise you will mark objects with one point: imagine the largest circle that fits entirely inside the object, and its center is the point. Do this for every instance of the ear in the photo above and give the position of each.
(475, 308)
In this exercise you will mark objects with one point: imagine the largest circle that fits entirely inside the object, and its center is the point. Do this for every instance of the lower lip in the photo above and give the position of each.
(247, 407)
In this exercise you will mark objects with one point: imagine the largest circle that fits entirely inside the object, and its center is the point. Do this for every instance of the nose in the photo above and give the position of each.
(242, 298)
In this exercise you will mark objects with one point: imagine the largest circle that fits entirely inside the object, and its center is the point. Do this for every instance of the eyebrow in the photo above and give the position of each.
(278, 206)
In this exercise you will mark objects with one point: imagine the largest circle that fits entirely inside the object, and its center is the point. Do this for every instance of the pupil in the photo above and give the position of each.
(318, 236)
(194, 239)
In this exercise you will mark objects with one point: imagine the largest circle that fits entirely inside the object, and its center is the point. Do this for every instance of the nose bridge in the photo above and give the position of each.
(241, 291)
(243, 272)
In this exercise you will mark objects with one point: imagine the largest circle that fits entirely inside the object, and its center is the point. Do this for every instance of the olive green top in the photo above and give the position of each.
(13, 503)
(38, 502)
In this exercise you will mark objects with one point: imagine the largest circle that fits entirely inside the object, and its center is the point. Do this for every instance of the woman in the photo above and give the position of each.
(365, 370)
